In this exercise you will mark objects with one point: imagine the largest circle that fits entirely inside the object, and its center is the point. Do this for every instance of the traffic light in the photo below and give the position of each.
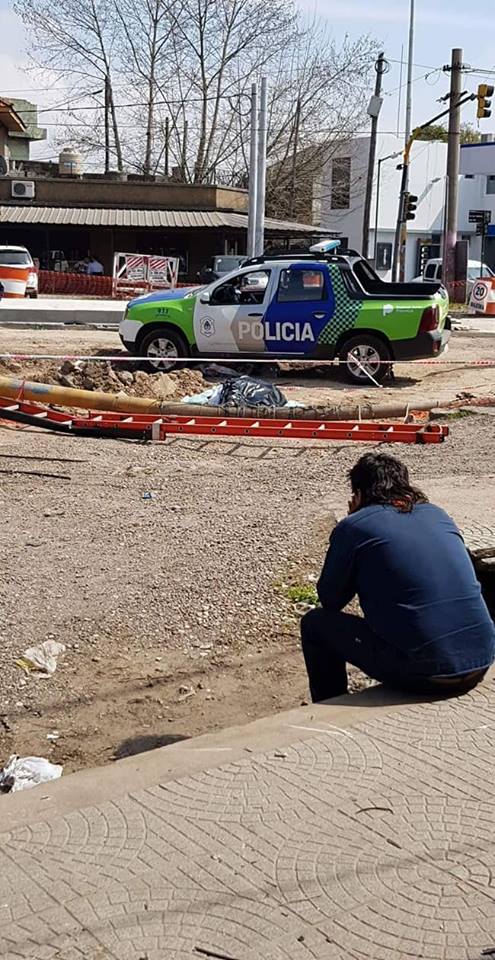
(485, 91)
(410, 206)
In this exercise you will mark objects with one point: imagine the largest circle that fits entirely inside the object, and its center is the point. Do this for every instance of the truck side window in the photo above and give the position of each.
(227, 294)
(298, 285)
(245, 288)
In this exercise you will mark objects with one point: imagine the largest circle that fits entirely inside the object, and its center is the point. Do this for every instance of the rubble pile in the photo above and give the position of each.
(120, 377)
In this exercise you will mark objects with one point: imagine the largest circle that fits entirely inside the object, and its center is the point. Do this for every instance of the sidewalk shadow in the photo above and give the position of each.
(135, 745)
(383, 696)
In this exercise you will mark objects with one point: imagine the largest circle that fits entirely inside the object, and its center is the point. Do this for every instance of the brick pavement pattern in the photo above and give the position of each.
(371, 841)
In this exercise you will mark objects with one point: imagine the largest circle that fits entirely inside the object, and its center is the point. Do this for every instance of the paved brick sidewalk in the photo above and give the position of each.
(351, 831)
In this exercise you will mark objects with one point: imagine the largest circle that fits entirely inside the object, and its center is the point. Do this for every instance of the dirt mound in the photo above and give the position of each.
(103, 376)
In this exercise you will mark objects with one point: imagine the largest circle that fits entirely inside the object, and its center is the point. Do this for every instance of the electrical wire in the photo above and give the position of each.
(137, 103)
(424, 76)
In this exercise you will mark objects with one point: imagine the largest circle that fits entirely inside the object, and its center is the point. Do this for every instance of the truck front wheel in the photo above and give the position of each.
(364, 359)
(163, 349)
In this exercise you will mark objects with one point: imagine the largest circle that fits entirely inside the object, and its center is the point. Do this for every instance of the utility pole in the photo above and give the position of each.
(398, 267)
(262, 148)
(297, 123)
(410, 63)
(374, 108)
(166, 162)
(107, 124)
(253, 173)
(183, 161)
(453, 155)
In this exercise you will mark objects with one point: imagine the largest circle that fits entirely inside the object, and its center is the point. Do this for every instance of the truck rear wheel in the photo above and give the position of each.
(365, 357)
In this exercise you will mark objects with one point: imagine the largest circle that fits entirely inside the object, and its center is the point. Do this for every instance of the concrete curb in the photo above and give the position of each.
(98, 785)
(466, 332)
(33, 325)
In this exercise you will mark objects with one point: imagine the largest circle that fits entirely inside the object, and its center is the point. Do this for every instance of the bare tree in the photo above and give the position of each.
(145, 34)
(75, 40)
(184, 70)
(218, 45)
(317, 104)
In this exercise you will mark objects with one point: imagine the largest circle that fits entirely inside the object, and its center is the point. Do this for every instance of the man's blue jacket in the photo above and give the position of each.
(416, 585)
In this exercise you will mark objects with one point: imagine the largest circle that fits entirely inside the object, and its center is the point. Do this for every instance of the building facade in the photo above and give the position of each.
(62, 220)
(342, 196)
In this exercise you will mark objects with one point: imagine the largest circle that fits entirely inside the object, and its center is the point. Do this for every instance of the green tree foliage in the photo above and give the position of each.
(437, 131)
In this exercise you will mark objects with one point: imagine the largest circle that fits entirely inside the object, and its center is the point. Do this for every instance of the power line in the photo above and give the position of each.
(424, 76)
(139, 103)
(422, 66)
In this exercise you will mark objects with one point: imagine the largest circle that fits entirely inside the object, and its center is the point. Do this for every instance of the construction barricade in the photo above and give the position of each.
(136, 273)
(483, 297)
(14, 278)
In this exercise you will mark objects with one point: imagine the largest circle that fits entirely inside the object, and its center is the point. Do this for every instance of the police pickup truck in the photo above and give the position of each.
(318, 306)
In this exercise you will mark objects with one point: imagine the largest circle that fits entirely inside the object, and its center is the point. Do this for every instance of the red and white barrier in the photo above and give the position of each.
(483, 297)
(136, 273)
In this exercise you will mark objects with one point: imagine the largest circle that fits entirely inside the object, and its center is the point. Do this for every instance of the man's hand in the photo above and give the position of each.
(355, 502)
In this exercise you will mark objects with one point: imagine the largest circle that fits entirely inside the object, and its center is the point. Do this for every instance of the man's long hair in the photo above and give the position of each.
(380, 478)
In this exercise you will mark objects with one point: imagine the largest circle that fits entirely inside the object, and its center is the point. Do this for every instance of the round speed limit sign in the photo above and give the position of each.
(480, 291)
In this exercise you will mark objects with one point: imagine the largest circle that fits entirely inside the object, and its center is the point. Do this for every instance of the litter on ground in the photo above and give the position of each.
(22, 773)
(42, 659)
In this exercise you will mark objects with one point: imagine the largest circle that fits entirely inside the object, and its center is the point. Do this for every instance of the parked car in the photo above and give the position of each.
(14, 259)
(313, 306)
(219, 267)
(475, 270)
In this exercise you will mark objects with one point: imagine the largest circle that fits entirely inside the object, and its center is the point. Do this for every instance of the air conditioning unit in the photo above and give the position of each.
(23, 189)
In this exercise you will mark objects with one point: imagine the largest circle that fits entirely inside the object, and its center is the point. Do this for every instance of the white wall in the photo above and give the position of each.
(427, 181)
(478, 158)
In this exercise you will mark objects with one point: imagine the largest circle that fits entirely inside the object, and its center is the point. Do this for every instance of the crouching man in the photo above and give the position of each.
(425, 626)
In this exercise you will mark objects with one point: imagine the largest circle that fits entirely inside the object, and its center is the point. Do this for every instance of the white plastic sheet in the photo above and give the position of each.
(41, 659)
(22, 773)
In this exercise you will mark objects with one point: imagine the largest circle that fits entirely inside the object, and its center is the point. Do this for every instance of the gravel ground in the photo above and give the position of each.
(186, 591)
(436, 381)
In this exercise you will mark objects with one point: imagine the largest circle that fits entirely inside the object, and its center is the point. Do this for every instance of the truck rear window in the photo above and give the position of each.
(298, 285)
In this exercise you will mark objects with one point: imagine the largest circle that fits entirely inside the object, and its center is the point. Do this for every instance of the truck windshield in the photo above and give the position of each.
(14, 258)
(226, 264)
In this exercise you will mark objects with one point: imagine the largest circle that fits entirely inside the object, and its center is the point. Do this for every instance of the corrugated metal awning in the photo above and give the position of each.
(32, 215)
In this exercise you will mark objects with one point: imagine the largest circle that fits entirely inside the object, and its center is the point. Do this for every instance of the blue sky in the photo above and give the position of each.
(439, 27)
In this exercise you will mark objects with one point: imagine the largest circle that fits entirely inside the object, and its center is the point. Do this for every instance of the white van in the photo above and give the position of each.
(433, 273)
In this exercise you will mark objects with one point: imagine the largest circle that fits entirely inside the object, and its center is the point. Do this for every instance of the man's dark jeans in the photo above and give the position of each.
(332, 639)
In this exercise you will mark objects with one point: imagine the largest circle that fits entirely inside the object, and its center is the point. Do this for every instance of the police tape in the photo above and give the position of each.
(151, 361)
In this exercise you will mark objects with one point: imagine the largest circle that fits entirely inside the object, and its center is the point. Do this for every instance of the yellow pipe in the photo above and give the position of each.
(16, 389)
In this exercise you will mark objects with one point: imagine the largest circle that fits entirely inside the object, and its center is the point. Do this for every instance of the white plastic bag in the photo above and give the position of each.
(208, 398)
(22, 773)
(41, 659)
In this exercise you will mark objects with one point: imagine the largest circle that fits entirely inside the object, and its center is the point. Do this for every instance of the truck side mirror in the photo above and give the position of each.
(205, 297)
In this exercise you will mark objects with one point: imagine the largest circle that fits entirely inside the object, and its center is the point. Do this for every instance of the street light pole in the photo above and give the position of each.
(400, 242)
(253, 173)
(391, 156)
(410, 63)
(262, 148)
